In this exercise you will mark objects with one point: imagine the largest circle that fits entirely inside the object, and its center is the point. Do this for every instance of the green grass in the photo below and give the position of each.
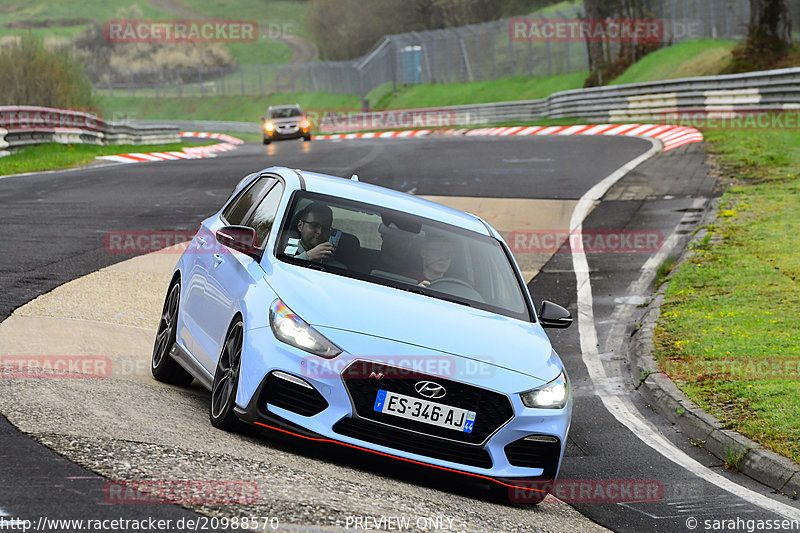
(59, 156)
(230, 108)
(728, 333)
(60, 10)
(284, 13)
(567, 6)
(64, 19)
(705, 57)
(275, 16)
(509, 89)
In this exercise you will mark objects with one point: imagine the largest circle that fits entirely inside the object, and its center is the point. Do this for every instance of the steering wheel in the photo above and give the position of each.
(456, 287)
(454, 281)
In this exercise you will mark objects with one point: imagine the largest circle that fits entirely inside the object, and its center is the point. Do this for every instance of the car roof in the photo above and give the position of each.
(391, 199)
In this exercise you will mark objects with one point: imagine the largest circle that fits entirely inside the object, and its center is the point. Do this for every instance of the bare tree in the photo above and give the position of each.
(606, 59)
(770, 27)
(597, 49)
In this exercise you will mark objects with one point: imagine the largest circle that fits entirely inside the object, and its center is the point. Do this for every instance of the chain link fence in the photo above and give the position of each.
(477, 52)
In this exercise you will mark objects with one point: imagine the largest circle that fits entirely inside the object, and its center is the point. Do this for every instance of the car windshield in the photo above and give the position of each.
(284, 112)
(407, 252)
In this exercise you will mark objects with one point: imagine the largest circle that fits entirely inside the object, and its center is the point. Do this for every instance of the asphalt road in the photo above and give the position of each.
(53, 226)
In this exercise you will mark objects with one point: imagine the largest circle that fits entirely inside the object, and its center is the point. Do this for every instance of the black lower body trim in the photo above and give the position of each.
(407, 441)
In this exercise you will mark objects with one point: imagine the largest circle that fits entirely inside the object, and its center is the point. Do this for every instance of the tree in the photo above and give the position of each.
(609, 59)
(770, 29)
(769, 38)
(36, 75)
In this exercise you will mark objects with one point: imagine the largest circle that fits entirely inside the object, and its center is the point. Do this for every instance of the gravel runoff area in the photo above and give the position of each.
(127, 426)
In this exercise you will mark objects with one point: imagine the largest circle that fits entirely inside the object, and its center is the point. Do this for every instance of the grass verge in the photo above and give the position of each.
(227, 108)
(478, 92)
(704, 57)
(729, 332)
(59, 156)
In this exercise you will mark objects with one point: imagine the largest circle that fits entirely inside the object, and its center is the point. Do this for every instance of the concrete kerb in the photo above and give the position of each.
(765, 466)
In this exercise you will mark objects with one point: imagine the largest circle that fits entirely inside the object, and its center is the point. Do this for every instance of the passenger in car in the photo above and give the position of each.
(314, 226)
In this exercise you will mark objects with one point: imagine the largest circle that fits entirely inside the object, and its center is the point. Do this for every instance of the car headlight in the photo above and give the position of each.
(304, 124)
(553, 395)
(269, 126)
(293, 330)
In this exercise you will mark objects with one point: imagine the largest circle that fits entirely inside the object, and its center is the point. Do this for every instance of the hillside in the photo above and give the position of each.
(58, 21)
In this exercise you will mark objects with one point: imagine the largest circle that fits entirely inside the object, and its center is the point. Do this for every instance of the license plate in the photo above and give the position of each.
(432, 413)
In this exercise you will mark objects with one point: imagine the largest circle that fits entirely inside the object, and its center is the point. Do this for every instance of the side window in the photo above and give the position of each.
(237, 210)
(263, 217)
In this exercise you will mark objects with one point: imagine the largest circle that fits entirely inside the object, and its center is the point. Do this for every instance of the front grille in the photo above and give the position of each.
(533, 454)
(399, 439)
(292, 396)
(493, 409)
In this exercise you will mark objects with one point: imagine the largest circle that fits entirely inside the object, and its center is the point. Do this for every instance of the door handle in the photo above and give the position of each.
(218, 260)
(201, 240)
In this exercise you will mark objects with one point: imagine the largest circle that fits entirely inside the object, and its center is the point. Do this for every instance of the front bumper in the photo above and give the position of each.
(280, 133)
(323, 409)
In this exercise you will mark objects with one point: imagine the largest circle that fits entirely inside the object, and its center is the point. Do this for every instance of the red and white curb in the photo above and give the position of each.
(218, 136)
(378, 134)
(671, 136)
(190, 152)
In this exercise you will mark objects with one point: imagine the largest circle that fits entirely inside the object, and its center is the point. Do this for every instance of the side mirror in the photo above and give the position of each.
(239, 238)
(554, 316)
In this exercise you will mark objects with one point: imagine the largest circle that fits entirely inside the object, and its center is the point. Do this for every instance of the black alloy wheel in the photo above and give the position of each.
(163, 367)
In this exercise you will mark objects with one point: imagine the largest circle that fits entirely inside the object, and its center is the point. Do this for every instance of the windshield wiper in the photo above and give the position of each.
(434, 294)
(462, 302)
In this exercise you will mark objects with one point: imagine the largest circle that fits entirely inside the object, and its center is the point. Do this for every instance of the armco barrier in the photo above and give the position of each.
(25, 125)
(651, 101)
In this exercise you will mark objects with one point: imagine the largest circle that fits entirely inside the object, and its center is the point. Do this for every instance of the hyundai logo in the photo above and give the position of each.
(429, 389)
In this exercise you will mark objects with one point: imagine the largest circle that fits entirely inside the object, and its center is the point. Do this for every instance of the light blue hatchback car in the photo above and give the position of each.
(337, 310)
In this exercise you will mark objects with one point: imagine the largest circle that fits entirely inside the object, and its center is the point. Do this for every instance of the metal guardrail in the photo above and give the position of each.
(203, 125)
(651, 101)
(659, 101)
(22, 126)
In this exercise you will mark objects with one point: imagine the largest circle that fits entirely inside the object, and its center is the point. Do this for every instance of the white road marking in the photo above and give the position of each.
(622, 409)
(648, 272)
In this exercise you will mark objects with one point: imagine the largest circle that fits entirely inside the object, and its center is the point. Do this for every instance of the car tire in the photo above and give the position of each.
(163, 367)
(307, 138)
(226, 381)
(267, 141)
